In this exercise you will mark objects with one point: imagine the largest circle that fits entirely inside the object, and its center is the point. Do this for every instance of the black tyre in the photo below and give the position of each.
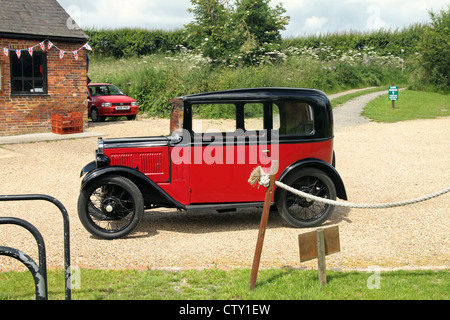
(133, 117)
(95, 116)
(301, 212)
(111, 207)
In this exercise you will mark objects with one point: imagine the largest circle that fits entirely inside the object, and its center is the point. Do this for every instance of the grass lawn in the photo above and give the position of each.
(411, 105)
(215, 284)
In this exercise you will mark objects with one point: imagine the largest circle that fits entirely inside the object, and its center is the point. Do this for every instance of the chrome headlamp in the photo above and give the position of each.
(100, 158)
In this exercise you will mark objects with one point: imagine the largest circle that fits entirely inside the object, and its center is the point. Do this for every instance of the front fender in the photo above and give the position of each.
(318, 164)
(151, 192)
(91, 166)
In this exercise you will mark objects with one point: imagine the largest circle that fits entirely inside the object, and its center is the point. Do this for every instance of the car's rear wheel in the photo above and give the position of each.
(299, 211)
(111, 207)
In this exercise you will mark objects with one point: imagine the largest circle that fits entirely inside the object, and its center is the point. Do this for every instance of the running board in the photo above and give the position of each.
(225, 206)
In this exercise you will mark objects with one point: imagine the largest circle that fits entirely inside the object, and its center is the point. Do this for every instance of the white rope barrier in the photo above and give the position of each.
(259, 176)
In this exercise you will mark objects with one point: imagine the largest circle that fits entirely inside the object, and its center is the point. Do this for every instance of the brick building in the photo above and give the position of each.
(42, 65)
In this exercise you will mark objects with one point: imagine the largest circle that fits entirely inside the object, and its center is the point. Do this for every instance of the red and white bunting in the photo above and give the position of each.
(48, 47)
(87, 46)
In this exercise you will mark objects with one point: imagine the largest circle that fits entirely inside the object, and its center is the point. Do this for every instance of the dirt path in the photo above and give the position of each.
(414, 162)
(349, 113)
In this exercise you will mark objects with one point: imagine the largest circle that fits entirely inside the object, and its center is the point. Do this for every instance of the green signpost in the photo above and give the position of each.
(393, 94)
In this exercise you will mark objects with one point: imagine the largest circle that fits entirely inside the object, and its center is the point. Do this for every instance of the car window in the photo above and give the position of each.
(114, 91)
(293, 118)
(253, 116)
(105, 91)
(98, 90)
(213, 118)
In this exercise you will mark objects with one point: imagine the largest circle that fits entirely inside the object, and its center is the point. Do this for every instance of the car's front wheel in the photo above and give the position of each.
(95, 115)
(111, 207)
(299, 211)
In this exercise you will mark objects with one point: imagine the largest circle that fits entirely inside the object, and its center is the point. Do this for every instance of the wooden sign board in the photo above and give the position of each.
(308, 243)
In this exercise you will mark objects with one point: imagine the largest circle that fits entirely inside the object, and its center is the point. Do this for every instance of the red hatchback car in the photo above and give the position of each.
(198, 166)
(106, 100)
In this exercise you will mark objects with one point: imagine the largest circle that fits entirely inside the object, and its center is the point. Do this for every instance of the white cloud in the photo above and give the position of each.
(374, 20)
(307, 17)
(293, 4)
(315, 24)
(129, 13)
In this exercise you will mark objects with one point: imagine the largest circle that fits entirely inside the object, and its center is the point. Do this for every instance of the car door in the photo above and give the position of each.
(92, 99)
(224, 153)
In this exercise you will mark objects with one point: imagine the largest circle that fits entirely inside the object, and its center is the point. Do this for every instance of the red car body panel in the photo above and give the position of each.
(217, 182)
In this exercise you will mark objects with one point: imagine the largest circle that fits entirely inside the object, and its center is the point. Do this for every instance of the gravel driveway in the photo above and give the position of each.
(377, 162)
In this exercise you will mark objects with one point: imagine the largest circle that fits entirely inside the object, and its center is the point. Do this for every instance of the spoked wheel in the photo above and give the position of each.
(302, 212)
(111, 207)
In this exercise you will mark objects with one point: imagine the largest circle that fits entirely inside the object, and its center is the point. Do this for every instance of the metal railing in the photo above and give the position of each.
(39, 272)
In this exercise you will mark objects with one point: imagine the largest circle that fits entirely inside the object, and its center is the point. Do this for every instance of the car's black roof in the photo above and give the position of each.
(258, 94)
(323, 115)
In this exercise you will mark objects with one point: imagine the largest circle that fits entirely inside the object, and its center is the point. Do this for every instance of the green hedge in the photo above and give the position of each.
(126, 42)
(129, 42)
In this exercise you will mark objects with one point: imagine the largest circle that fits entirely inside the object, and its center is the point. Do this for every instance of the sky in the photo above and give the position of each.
(306, 17)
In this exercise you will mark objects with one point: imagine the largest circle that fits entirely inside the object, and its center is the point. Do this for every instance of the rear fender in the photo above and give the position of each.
(151, 192)
(321, 165)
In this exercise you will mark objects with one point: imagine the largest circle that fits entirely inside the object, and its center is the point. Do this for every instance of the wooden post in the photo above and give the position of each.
(321, 257)
(318, 244)
(263, 225)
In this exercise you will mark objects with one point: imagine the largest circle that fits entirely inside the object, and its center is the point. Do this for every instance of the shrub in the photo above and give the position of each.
(434, 54)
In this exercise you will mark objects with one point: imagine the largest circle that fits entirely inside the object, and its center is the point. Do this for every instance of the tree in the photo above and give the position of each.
(434, 49)
(230, 32)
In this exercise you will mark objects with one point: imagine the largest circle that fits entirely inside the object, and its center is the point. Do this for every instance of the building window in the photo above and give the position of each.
(29, 73)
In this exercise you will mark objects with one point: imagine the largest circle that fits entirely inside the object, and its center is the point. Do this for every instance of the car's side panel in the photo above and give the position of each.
(151, 161)
(222, 182)
(155, 162)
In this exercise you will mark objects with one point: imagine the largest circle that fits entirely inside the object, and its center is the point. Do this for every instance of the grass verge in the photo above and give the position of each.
(336, 102)
(215, 284)
(410, 106)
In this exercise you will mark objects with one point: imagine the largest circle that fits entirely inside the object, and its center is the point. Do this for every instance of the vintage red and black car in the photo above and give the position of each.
(197, 166)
